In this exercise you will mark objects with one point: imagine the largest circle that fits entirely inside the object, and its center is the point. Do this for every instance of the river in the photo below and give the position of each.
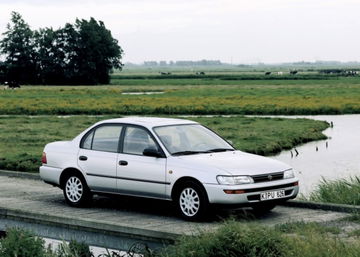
(337, 157)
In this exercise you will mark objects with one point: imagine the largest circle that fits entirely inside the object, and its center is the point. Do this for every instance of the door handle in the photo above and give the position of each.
(123, 163)
(82, 158)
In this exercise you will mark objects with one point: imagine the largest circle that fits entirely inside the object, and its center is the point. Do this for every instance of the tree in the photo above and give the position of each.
(2, 72)
(80, 53)
(97, 52)
(18, 47)
(51, 54)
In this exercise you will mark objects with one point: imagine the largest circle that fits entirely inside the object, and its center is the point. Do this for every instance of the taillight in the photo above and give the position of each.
(43, 158)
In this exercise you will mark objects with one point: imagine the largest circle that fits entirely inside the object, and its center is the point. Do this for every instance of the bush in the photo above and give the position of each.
(232, 239)
(73, 249)
(21, 243)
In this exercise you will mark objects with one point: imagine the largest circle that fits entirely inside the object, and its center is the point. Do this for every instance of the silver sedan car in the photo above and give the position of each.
(172, 159)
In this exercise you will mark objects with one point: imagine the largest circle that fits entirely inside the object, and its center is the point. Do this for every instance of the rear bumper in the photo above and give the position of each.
(251, 192)
(50, 175)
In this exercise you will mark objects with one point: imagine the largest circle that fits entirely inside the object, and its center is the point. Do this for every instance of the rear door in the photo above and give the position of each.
(98, 156)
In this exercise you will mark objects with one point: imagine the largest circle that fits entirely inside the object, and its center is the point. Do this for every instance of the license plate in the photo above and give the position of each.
(272, 195)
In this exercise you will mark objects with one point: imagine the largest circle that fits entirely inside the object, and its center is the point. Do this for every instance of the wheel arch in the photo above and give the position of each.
(181, 181)
(70, 171)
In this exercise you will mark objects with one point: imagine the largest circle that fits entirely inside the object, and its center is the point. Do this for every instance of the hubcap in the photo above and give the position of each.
(74, 189)
(189, 202)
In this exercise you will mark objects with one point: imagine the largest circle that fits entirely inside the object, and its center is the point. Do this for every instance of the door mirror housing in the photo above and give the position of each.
(152, 152)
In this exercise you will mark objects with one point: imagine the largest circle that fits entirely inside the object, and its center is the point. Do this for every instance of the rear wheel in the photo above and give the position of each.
(76, 191)
(191, 201)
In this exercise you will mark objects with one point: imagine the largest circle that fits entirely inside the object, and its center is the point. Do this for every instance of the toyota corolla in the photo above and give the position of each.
(172, 159)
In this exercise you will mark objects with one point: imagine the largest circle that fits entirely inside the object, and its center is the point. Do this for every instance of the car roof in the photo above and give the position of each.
(149, 122)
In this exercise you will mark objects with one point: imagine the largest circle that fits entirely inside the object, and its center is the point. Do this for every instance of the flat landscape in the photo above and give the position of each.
(272, 78)
(33, 116)
(178, 94)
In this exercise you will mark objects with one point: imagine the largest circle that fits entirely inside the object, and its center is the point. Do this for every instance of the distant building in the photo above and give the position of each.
(151, 63)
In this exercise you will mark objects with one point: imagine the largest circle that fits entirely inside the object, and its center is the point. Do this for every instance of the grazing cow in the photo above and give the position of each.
(12, 84)
(165, 73)
(350, 73)
(280, 73)
(268, 73)
(200, 73)
(293, 72)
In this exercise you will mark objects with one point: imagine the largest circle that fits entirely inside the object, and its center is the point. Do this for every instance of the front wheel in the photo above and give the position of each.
(192, 202)
(76, 191)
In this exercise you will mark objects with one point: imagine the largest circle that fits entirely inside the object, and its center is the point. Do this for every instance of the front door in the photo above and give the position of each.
(138, 174)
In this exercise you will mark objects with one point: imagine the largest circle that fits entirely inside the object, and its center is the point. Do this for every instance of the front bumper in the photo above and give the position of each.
(251, 192)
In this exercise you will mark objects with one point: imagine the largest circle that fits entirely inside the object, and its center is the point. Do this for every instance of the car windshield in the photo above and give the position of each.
(191, 139)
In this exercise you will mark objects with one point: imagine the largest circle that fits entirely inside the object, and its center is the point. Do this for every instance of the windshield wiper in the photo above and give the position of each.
(215, 150)
(189, 152)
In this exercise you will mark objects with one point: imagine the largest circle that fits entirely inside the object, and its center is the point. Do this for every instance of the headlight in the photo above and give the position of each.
(234, 180)
(289, 174)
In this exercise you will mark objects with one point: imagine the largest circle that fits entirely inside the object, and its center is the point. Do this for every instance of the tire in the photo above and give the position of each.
(263, 208)
(76, 191)
(191, 201)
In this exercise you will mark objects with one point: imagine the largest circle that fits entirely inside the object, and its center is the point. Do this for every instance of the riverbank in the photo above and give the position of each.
(24, 137)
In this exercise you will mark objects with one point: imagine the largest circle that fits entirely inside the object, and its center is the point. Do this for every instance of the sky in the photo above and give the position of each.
(233, 31)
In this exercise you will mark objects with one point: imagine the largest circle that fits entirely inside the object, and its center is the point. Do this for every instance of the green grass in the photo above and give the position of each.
(230, 239)
(302, 228)
(23, 138)
(355, 217)
(253, 240)
(355, 233)
(190, 96)
(343, 191)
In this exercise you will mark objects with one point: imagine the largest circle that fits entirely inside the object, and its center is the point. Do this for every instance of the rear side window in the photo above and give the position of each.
(88, 140)
(104, 138)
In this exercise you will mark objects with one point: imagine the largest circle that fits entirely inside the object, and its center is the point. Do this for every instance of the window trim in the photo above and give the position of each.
(93, 130)
(163, 155)
(121, 138)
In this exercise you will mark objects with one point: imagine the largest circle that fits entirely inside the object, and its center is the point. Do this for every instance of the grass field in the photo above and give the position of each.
(23, 138)
(208, 95)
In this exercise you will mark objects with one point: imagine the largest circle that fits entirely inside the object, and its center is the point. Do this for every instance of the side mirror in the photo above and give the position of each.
(152, 152)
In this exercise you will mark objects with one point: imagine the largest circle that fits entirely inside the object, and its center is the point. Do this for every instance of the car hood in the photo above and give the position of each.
(236, 163)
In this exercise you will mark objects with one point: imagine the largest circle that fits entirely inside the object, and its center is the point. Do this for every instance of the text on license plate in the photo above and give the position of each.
(272, 195)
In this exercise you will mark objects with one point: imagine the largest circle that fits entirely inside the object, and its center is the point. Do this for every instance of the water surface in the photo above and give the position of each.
(337, 157)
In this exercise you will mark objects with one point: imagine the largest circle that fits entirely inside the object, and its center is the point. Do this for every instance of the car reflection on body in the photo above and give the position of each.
(173, 159)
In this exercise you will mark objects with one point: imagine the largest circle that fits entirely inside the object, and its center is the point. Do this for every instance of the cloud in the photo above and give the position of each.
(266, 30)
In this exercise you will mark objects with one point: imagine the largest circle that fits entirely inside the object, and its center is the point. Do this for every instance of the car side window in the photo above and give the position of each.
(136, 140)
(104, 138)
(88, 140)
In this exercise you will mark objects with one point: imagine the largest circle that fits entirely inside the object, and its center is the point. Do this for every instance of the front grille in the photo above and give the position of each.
(268, 177)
